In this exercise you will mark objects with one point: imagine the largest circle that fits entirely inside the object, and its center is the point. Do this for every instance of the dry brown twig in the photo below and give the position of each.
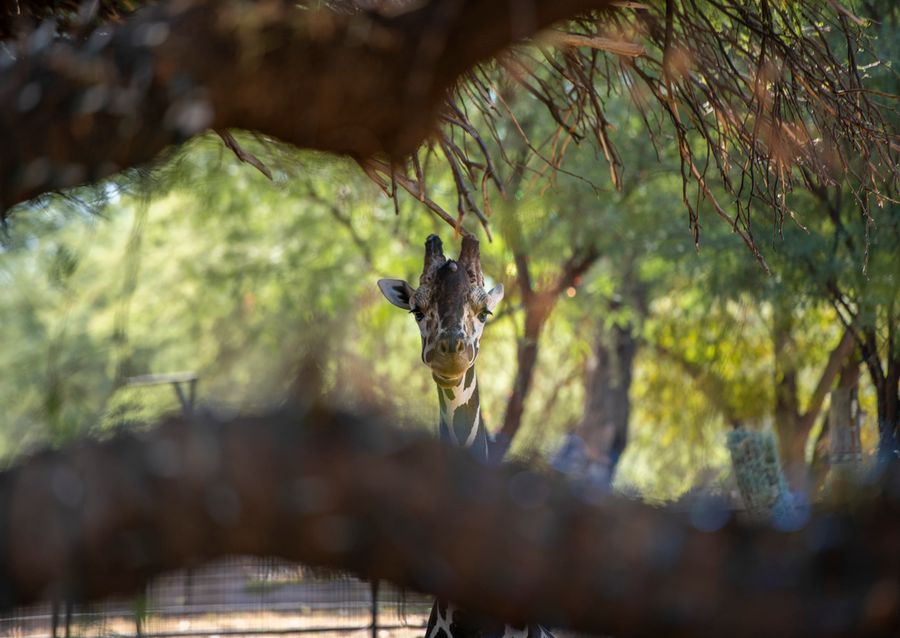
(244, 155)
(754, 93)
(733, 81)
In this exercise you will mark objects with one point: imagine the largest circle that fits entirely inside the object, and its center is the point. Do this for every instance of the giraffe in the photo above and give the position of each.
(451, 308)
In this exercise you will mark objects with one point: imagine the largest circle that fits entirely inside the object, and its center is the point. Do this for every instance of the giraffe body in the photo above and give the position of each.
(451, 308)
(450, 621)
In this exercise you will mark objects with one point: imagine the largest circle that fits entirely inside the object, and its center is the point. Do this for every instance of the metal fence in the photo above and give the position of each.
(240, 596)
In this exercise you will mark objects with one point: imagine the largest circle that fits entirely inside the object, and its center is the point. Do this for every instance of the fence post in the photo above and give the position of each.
(54, 617)
(69, 605)
(140, 611)
(186, 400)
(374, 588)
(757, 470)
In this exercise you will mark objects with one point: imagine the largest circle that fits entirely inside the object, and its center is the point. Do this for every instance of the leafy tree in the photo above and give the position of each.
(733, 80)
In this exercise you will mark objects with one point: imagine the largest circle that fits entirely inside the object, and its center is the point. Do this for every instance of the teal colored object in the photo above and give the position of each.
(760, 479)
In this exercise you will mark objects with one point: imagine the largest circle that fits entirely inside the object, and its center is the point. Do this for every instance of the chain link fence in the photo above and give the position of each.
(241, 596)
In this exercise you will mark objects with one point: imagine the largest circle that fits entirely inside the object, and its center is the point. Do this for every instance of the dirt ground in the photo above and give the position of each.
(224, 626)
(216, 626)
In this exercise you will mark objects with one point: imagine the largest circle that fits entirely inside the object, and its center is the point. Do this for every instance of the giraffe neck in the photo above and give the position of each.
(461, 423)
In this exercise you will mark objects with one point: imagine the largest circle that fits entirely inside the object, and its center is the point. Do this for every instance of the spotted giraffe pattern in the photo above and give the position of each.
(451, 308)
(450, 621)
(460, 423)
(452, 319)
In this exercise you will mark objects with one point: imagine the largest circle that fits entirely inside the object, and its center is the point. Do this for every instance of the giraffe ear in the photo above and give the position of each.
(397, 291)
(494, 296)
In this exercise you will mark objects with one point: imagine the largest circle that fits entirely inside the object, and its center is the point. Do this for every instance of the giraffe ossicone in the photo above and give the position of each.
(451, 308)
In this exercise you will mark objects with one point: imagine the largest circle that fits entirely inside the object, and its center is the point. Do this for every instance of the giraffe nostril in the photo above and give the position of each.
(452, 343)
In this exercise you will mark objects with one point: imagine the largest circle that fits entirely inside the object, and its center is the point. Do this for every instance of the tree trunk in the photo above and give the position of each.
(886, 381)
(607, 405)
(537, 309)
(538, 304)
(791, 441)
(791, 425)
(889, 414)
(844, 443)
(843, 421)
(827, 450)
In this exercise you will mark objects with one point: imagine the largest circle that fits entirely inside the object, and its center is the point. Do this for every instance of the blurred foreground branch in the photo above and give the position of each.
(328, 488)
(78, 109)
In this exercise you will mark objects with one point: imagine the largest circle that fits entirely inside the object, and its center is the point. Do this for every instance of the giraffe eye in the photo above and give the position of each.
(418, 314)
(484, 314)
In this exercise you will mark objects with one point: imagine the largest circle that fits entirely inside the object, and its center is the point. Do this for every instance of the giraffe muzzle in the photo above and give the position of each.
(451, 357)
(452, 343)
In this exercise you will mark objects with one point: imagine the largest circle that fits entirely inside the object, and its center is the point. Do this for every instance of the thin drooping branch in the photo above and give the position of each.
(333, 489)
(244, 155)
(756, 93)
(378, 171)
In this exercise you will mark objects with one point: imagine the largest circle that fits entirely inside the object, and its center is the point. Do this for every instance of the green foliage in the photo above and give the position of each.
(207, 266)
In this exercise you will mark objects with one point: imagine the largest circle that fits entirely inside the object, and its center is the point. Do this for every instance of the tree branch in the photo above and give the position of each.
(77, 110)
(538, 304)
(244, 155)
(523, 274)
(328, 488)
(836, 359)
(573, 270)
(373, 167)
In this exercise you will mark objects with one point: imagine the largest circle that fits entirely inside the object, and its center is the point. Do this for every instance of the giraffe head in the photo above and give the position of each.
(450, 306)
